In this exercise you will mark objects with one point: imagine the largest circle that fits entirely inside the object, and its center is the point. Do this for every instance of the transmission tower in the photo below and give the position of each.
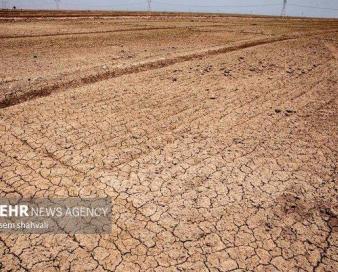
(57, 2)
(3, 4)
(149, 5)
(283, 13)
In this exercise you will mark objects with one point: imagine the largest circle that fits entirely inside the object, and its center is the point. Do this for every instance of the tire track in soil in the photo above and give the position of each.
(333, 49)
(145, 28)
(47, 88)
(89, 32)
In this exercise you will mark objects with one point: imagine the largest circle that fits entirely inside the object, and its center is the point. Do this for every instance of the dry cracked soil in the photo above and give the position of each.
(215, 137)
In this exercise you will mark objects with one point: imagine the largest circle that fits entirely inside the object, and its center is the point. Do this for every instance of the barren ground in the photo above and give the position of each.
(216, 138)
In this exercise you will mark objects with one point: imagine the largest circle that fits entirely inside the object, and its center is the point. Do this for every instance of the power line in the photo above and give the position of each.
(217, 6)
(311, 7)
(244, 6)
(150, 3)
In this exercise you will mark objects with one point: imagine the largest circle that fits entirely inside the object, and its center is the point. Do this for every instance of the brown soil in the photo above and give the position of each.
(215, 136)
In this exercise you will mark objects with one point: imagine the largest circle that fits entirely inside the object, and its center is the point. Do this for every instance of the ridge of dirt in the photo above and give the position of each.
(101, 32)
(333, 49)
(87, 32)
(27, 92)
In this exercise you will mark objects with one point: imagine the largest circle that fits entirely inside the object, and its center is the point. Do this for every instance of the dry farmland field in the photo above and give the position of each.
(214, 136)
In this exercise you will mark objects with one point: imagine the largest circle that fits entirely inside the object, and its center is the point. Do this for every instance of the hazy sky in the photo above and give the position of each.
(317, 8)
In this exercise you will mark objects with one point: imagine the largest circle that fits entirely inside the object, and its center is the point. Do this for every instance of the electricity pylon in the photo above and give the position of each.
(57, 2)
(283, 13)
(149, 5)
(3, 4)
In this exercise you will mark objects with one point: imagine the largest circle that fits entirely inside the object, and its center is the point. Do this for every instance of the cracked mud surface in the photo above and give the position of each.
(225, 162)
